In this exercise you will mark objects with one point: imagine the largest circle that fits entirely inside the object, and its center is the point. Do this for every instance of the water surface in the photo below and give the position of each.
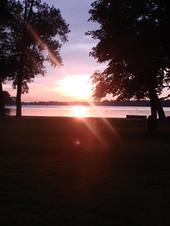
(84, 111)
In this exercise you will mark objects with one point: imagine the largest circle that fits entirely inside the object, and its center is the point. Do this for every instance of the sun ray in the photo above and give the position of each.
(75, 87)
(41, 44)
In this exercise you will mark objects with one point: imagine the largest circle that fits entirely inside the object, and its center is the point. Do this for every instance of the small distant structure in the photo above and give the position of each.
(136, 116)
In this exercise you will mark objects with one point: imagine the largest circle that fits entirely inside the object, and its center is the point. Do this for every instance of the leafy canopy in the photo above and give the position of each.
(37, 33)
(134, 40)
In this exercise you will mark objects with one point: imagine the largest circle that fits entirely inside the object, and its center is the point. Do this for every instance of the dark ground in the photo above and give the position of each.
(55, 171)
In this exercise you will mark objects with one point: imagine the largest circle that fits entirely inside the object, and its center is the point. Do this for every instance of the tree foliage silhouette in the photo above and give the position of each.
(134, 40)
(5, 18)
(37, 33)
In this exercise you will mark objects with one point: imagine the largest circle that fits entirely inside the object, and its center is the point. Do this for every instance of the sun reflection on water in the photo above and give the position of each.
(79, 111)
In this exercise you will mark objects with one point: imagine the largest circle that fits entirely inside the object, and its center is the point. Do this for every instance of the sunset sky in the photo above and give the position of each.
(71, 80)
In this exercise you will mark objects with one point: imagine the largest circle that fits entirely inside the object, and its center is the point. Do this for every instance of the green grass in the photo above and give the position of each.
(67, 171)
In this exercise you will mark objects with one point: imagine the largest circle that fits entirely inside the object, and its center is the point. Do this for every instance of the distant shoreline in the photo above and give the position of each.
(137, 103)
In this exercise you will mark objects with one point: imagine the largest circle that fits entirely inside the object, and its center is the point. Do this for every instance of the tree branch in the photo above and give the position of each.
(25, 9)
(164, 98)
(30, 10)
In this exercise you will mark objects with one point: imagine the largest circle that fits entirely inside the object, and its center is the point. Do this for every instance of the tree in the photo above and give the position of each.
(8, 8)
(38, 31)
(134, 40)
(5, 18)
(7, 98)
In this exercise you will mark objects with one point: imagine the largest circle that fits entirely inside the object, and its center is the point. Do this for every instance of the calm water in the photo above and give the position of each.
(84, 111)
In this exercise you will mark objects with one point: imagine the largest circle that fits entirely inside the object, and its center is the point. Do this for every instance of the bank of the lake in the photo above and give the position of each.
(70, 171)
(85, 111)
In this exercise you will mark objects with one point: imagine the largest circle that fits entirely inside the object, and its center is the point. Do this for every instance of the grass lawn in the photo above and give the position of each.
(68, 171)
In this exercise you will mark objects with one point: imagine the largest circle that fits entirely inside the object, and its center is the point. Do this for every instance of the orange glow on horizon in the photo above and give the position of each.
(75, 86)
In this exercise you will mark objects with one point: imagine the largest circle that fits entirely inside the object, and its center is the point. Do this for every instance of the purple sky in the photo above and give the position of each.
(75, 54)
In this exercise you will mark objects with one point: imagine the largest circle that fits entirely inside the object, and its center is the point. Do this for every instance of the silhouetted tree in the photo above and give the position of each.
(7, 98)
(134, 40)
(5, 46)
(38, 31)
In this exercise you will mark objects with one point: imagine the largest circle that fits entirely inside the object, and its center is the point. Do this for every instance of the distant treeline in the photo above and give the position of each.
(143, 103)
(8, 100)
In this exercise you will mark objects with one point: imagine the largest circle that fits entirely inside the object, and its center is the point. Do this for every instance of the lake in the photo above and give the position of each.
(84, 111)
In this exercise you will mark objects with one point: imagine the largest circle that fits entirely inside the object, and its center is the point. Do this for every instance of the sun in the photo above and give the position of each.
(76, 86)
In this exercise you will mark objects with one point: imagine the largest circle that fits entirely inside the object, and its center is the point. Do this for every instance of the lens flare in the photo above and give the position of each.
(78, 111)
(104, 123)
(42, 45)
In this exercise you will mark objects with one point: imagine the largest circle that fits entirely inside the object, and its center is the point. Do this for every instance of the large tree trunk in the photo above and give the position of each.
(152, 119)
(153, 103)
(160, 109)
(156, 106)
(18, 97)
(2, 106)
